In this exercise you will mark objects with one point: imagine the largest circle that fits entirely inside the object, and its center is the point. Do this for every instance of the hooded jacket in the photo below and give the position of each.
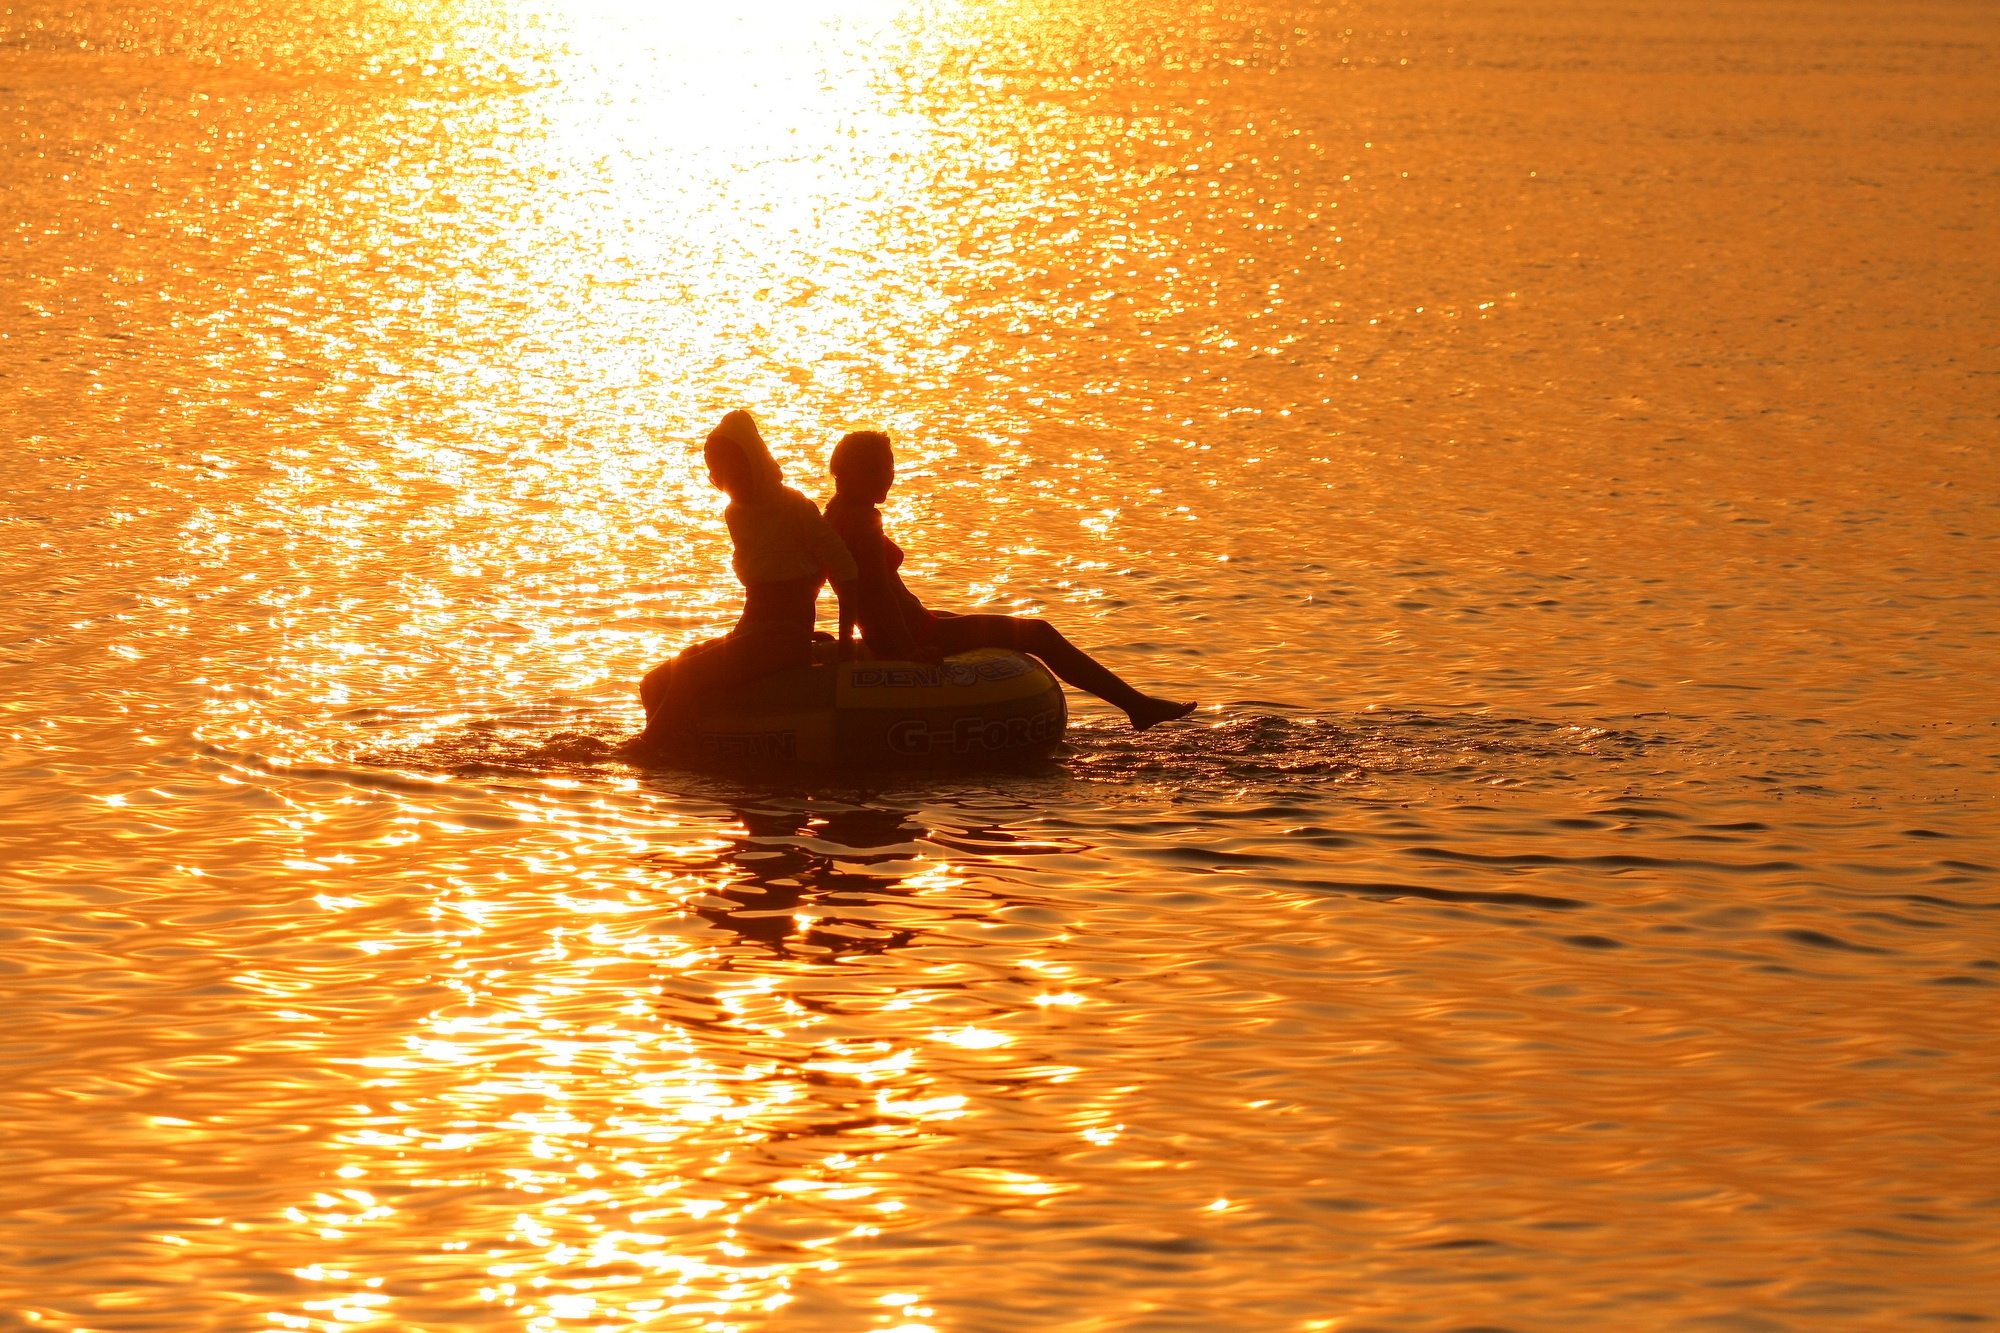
(777, 532)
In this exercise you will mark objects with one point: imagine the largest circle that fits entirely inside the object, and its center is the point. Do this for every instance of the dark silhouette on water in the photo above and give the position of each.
(784, 551)
(896, 626)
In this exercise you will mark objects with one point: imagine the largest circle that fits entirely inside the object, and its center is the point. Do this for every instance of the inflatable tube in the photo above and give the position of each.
(979, 707)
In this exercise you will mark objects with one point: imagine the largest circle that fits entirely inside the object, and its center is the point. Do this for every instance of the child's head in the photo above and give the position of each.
(739, 462)
(863, 466)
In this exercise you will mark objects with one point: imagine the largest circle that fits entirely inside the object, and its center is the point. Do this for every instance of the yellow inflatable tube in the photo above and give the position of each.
(979, 707)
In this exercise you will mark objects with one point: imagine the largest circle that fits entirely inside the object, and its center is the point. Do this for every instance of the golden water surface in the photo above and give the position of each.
(1554, 438)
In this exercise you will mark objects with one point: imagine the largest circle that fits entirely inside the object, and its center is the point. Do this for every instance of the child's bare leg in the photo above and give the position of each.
(1071, 664)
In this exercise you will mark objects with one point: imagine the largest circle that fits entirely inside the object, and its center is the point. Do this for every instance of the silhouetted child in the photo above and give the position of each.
(897, 626)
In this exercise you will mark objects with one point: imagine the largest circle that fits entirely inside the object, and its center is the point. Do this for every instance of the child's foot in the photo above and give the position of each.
(1151, 711)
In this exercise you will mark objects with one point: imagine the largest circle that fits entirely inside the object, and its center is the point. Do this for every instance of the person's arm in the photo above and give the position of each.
(826, 549)
(825, 545)
(874, 602)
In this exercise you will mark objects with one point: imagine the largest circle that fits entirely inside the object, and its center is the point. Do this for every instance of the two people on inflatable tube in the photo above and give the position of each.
(785, 549)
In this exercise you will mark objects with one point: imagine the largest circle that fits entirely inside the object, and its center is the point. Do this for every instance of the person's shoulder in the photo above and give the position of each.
(795, 500)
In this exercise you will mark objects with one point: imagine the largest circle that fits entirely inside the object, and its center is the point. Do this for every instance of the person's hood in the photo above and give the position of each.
(766, 477)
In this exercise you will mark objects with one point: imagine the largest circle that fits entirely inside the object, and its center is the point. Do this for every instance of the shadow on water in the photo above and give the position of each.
(806, 879)
(788, 894)
(835, 940)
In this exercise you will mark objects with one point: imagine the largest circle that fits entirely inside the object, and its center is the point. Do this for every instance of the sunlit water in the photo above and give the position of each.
(1554, 441)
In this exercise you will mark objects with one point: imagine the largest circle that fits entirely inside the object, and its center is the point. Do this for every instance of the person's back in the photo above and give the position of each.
(783, 551)
(777, 533)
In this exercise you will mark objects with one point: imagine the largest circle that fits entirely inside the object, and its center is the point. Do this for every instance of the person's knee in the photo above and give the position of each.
(653, 686)
(1030, 634)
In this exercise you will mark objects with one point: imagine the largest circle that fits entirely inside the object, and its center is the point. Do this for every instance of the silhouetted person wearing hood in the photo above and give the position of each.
(897, 626)
(784, 551)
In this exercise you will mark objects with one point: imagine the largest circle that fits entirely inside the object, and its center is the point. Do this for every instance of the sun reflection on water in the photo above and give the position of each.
(361, 987)
(689, 210)
(637, 1118)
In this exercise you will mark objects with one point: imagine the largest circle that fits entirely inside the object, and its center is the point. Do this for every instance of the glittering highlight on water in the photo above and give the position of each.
(1556, 443)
